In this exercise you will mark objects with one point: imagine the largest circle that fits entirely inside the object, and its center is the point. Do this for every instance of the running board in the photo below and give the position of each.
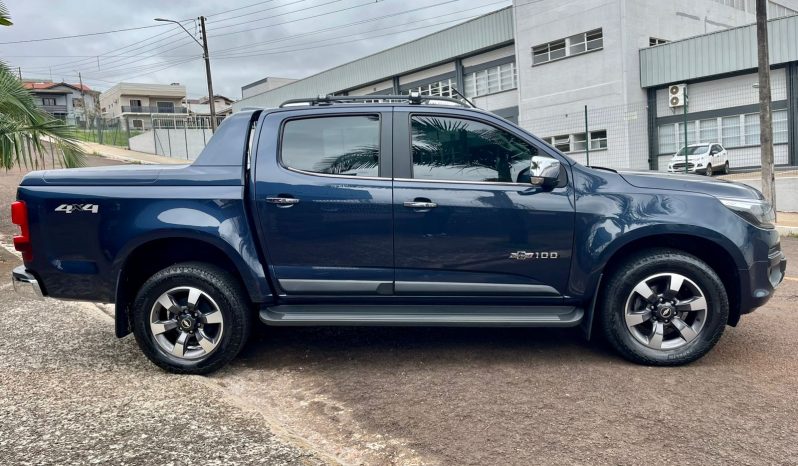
(450, 316)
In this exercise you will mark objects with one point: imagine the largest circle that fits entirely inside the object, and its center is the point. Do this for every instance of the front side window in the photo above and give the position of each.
(341, 145)
(456, 149)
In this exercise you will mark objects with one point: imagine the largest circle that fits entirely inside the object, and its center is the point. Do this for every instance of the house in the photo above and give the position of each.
(201, 107)
(69, 102)
(135, 105)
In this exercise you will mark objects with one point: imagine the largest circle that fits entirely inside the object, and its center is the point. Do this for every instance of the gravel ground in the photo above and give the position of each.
(73, 393)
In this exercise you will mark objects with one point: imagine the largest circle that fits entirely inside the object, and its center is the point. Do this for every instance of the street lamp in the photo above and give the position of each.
(204, 45)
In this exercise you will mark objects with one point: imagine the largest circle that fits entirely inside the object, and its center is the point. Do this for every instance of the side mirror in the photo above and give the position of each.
(544, 171)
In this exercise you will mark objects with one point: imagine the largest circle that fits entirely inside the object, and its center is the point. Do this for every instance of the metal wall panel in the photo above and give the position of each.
(716, 53)
(472, 36)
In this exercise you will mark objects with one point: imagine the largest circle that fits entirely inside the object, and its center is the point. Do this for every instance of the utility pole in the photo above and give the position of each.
(208, 73)
(765, 117)
(19, 70)
(83, 98)
(204, 45)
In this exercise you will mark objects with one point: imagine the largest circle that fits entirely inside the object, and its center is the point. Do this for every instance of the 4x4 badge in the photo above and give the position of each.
(523, 255)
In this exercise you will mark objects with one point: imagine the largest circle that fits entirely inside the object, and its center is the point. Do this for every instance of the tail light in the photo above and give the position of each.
(19, 216)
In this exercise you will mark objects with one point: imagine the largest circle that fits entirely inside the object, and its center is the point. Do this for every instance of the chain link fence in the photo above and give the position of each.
(648, 135)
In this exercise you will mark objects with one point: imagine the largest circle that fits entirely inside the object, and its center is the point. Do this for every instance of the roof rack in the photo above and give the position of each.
(414, 98)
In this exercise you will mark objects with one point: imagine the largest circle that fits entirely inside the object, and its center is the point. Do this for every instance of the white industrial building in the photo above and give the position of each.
(545, 64)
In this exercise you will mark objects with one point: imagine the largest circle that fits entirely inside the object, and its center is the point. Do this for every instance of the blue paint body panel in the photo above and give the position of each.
(350, 240)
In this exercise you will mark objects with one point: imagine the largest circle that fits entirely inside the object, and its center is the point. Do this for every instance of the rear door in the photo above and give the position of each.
(323, 196)
(467, 221)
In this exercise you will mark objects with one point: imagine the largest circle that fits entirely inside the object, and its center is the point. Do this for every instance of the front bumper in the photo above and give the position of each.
(763, 279)
(26, 284)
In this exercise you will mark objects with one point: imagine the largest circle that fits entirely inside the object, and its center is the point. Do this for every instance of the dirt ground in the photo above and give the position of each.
(398, 395)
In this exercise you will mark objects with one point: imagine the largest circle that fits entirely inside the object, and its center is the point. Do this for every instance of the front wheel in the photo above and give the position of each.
(663, 307)
(191, 318)
(726, 168)
(709, 170)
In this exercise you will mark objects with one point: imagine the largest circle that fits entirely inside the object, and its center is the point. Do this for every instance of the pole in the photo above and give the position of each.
(208, 72)
(82, 97)
(19, 70)
(686, 157)
(587, 141)
(765, 117)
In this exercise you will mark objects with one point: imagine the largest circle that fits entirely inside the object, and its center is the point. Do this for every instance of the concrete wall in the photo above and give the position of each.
(176, 143)
(266, 84)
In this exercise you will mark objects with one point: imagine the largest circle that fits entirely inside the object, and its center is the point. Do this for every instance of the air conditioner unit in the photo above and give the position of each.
(676, 95)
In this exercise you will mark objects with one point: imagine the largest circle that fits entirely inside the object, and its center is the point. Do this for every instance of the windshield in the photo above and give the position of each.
(693, 150)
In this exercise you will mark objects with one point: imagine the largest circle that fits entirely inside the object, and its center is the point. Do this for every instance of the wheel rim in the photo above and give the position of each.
(709, 170)
(666, 311)
(186, 323)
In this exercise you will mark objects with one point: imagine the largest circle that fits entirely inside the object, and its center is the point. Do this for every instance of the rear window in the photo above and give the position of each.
(339, 145)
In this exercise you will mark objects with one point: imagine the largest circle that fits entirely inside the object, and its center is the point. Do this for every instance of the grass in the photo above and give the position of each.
(111, 137)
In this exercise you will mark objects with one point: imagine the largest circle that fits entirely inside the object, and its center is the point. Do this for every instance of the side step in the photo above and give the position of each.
(452, 316)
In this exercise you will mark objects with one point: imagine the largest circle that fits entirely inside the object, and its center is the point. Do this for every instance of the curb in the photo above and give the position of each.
(787, 231)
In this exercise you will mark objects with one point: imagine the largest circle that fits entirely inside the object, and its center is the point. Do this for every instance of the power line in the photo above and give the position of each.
(278, 50)
(287, 22)
(81, 35)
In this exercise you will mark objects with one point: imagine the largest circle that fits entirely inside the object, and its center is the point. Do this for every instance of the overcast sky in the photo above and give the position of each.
(285, 38)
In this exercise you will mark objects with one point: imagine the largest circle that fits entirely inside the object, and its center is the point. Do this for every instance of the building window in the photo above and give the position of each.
(48, 101)
(166, 107)
(488, 81)
(576, 142)
(135, 103)
(441, 88)
(751, 129)
(138, 124)
(77, 103)
(779, 126)
(465, 150)
(666, 139)
(730, 130)
(570, 46)
(708, 130)
(652, 41)
(342, 145)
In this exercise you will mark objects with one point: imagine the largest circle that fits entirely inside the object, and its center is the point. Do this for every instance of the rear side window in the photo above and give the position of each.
(340, 145)
(456, 149)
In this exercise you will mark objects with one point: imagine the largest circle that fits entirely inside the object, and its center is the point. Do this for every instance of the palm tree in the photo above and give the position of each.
(27, 133)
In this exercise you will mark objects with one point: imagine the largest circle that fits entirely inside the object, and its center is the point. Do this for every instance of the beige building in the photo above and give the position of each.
(136, 104)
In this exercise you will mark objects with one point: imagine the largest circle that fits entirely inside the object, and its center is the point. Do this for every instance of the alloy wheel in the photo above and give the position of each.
(666, 311)
(186, 323)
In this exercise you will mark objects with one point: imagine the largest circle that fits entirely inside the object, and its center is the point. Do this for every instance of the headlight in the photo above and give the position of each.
(756, 212)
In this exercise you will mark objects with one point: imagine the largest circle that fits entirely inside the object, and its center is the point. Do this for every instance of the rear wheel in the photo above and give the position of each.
(191, 318)
(663, 307)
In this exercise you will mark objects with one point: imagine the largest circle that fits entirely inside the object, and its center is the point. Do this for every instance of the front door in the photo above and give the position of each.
(467, 221)
(324, 202)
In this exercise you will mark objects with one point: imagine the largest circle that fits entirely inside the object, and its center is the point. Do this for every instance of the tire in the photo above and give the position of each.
(708, 171)
(220, 318)
(726, 168)
(658, 340)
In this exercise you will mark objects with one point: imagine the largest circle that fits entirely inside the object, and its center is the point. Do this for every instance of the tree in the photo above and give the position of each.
(27, 133)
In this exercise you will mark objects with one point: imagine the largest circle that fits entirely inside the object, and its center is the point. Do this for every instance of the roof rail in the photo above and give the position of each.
(414, 98)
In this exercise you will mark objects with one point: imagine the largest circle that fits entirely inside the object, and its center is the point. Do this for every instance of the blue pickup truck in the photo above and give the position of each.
(412, 212)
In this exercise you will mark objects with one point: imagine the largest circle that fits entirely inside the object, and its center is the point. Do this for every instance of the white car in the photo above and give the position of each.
(706, 158)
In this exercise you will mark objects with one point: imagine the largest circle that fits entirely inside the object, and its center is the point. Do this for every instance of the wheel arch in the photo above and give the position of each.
(144, 258)
(723, 259)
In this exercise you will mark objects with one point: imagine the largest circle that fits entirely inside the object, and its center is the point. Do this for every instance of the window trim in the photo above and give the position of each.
(282, 164)
(409, 160)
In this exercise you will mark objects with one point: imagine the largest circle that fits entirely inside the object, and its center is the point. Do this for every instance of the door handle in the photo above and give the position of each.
(282, 201)
(420, 204)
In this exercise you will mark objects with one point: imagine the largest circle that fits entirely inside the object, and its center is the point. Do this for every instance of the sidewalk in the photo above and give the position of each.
(130, 156)
(787, 223)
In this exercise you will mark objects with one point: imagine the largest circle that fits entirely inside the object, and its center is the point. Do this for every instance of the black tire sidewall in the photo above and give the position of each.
(215, 283)
(627, 277)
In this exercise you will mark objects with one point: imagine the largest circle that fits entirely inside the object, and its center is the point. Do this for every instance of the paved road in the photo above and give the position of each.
(73, 393)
